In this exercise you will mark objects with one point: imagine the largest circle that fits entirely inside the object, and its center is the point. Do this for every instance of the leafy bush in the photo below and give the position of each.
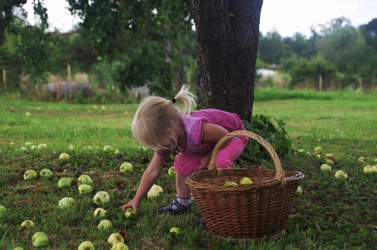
(274, 133)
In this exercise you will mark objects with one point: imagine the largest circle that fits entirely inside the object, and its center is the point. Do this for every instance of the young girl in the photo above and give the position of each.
(159, 125)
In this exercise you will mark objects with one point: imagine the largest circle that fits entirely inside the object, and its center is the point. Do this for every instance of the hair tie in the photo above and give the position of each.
(173, 100)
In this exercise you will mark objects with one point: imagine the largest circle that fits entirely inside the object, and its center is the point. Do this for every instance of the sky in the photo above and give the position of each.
(284, 16)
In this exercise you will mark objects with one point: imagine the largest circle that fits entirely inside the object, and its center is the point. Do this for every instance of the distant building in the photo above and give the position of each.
(265, 72)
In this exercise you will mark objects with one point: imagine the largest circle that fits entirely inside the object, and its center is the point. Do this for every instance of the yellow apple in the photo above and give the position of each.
(245, 180)
(154, 191)
(341, 175)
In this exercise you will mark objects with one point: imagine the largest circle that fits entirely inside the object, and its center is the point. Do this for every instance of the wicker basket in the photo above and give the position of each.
(249, 212)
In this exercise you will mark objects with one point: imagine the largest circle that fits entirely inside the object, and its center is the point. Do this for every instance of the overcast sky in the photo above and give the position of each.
(284, 16)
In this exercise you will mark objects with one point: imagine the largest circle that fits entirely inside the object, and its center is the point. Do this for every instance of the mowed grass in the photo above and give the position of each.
(329, 214)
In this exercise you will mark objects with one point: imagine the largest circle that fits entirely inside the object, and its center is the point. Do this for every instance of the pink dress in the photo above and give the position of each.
(188, 160)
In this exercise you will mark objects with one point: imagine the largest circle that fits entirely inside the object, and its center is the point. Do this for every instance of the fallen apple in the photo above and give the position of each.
(361, 159)
(330, 159)
(99, 212)
(245, 180)
(85, 189)
(86, 245)
(27, 224)
(317, 149)
(230, 184)
(64, 156)
(108, 148)
(30, 174)
(66, 202)
(18, 248)
(126, 167)
(40, 239)
(299, 190)
(120, 246)
(171, 171)
(175, 230)
(88, 148)
(154, 191)
(2, 210)
(101, 197)
(143, 149)
(105, 224)
(71, 147)
(370, 169)
(341, 175)
(130, 213)
(42, 146)
(325, 167)
(114, 238)
(46, 173)
(84, 179)
(64, 182)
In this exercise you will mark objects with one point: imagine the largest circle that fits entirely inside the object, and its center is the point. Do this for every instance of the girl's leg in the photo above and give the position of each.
(231, 152)
(183, 191)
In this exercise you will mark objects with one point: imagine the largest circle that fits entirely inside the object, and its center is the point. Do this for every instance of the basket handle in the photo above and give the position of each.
(279, 170)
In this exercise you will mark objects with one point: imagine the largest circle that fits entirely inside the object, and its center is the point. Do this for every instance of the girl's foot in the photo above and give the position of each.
(174, 208)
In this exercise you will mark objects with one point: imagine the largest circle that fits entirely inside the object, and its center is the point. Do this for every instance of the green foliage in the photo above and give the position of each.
(274, 132)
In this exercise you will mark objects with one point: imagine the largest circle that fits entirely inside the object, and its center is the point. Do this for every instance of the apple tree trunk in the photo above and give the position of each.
(226, 46)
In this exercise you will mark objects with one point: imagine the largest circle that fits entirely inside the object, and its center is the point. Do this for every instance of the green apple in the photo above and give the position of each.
(171, 171)
(88, 148)
(361, 159)
(99, 212)
(33, 147)
(28, 143)
(317, 149)
(64, 182)
(46, 173)
(230, 184)
(143, 149)
(84, 179)
(126, 167)
(101, 197)
(245, 180)
(341, 175)
(2, 210)
(64, 156)
(114, 238)
(370, 169)
(130, 213)
(66, 202)
(299, 190)
(154, 191)
(105, 224)
(120, 246)
(42, 146)
(71, 147)
(85, 189)
(86, 245)
(175, 230)
(27, 224)
(30, 174)
(18, 248)
(40, 239)
(325, 167)
(108, 148)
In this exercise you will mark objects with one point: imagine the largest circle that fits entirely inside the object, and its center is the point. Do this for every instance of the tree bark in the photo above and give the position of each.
(226, 46)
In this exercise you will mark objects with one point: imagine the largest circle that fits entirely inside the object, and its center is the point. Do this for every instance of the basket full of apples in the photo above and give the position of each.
(245, 204)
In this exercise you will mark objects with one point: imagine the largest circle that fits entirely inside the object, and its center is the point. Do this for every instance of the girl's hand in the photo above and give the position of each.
(133, 204)
(205, 160)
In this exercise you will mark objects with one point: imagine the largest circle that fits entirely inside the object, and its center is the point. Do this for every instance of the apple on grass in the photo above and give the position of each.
(154, 191)
(370, 169)
(120, 246)
(99, 212)
(101, 197)
(130, 213)
(341, 175)
(126, 167)
(325, 167)
(114, 238)
(108, 148)
(175, 230)
(2, 210)
(18, 248)
(245, 180)
(40, 239)
(46, 173)
(361, 159)
(171, 171)
(66, 202)
(86, 245)
(85, 189)
(30, 174)
(64, 156)
(27, 224)
(84, 179)
(64, 182)
(299, 190)
(105, 224)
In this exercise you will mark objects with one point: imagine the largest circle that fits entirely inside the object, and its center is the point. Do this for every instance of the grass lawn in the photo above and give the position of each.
(329, 214)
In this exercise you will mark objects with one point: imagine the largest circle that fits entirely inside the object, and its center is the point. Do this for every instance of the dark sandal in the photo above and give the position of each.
(174, 208)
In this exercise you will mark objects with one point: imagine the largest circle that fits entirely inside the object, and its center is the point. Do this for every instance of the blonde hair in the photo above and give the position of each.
(156, 115)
